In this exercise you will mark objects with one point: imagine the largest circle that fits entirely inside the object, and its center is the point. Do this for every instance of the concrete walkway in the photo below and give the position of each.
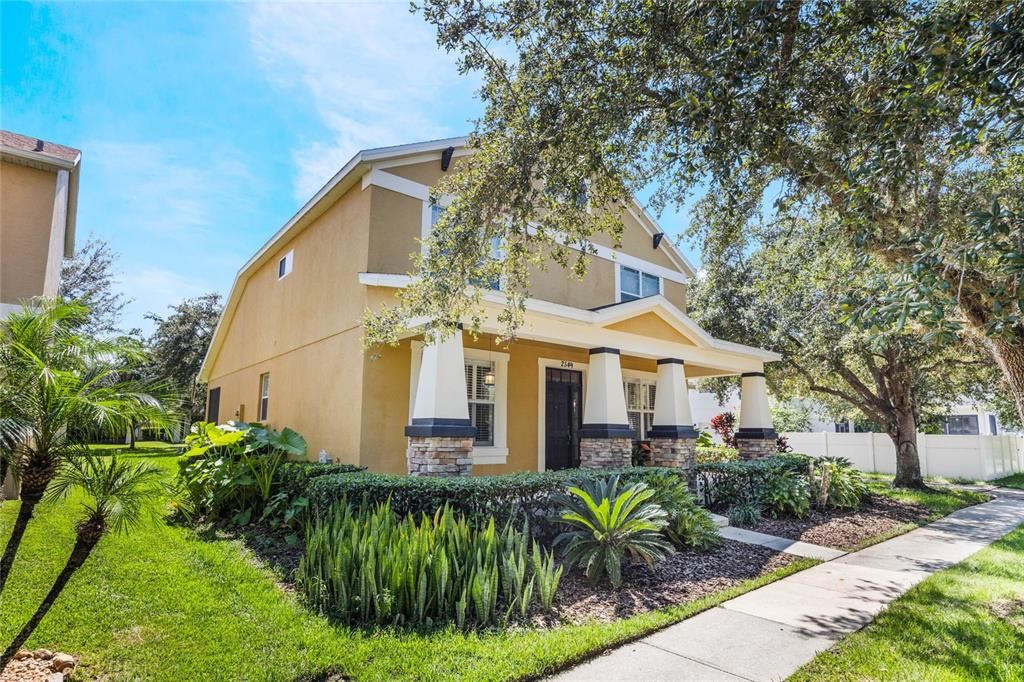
(768, 633)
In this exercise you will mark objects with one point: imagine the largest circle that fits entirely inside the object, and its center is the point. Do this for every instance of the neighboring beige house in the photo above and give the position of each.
(598, 364)
(38, 203)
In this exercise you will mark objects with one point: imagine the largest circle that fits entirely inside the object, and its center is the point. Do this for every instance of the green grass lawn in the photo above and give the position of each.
(940, 501)
(163, 604)
(1015, 481)
(946, 628)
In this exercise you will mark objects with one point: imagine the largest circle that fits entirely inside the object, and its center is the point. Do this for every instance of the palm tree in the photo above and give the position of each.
(116, 492)
(57, 387)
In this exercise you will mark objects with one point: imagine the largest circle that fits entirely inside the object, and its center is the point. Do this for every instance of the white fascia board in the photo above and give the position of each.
(396, 183)
(725, 352)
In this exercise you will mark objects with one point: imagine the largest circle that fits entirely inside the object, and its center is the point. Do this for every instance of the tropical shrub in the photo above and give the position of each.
(687, 524)
(724, 425)
(508, 497)
(836, 483)
(747, 513)
(785, 493)
(365, 565)
(606, 523)
(233, 470)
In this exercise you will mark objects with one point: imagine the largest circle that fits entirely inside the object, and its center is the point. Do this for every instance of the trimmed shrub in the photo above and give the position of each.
(364, 565)
(294, 477)
(716, 453)
(506, 497)
(724, 484)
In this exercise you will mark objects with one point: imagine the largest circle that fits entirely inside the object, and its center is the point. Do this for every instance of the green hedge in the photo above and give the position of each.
(509, 496)
(294, 477)
(724, 484)
(716, 453)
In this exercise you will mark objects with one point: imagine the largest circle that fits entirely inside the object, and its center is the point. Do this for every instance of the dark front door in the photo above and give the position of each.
(563, 390)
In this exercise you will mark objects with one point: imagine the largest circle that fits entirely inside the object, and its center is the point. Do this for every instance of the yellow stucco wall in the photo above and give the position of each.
(26, 212)
(305, 330)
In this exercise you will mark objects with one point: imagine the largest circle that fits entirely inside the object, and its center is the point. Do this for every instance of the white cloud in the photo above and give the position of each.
(372, 71)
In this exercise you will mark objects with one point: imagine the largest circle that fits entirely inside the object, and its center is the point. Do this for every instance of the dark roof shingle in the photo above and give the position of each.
(32, 144)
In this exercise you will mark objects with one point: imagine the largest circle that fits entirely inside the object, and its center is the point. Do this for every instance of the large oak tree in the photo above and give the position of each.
(879, 111)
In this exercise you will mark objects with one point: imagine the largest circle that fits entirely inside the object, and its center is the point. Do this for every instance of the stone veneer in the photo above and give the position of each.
(678, 453)
(755, 448)
(605, 453)
(440, 456)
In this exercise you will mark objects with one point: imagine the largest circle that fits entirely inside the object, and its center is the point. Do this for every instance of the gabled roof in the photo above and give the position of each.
(351, 173)
(37, 153)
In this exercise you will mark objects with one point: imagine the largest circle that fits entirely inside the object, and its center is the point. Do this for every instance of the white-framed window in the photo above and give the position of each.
(437, 210)
(284, 265)
(634, 284)
(480, 383)
(264, 396)
(640, 405)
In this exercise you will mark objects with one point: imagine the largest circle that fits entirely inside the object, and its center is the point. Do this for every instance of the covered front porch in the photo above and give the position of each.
(576, 388)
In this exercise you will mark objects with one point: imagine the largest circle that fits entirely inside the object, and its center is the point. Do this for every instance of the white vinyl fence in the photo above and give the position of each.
(974, 457)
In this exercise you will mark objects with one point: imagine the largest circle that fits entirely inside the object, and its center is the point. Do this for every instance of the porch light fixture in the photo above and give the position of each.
(489, 376)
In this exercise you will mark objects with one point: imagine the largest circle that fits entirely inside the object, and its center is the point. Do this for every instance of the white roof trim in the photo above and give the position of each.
(602, 317)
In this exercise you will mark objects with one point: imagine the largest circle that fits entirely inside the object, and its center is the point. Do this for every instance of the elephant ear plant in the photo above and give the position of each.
(233, 469)
(607, 523)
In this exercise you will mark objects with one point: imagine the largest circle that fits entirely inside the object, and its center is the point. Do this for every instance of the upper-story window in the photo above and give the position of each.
(284, 266)
(437, 210)
(634, 284)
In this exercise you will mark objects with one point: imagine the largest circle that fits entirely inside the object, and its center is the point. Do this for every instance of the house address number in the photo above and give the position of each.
(567, 364)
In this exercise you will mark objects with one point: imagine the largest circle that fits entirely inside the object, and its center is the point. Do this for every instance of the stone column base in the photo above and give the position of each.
(605, 453)
(440, 456)
(677, 453)
(755, 448)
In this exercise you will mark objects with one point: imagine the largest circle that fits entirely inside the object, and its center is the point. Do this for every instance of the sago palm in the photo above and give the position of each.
(58, 387)
(607, 523)
(115, 493)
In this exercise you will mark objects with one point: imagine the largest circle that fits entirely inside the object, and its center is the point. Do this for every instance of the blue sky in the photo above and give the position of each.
(204, 126)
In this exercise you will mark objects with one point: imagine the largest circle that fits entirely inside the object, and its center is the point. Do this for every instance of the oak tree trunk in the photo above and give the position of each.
(908, 462)
(80, 552)
(1010, 358)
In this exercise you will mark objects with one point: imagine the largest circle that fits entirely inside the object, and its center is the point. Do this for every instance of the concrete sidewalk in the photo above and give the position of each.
(768, 633)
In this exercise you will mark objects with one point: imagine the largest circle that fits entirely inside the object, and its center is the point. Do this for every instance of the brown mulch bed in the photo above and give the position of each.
(846, 528)
(683, 577)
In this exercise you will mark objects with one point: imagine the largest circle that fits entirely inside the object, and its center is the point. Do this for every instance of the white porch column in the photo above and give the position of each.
(672, 437)
(756, 435)
(440, 434)
(606, 439)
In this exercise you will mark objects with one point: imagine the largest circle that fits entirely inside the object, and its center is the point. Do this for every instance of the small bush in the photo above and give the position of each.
(724, 484)
(837, 484)
(688, 525)
(744, 514)
(785, 493)
(716, 453)
(364, 565)
(608, 522)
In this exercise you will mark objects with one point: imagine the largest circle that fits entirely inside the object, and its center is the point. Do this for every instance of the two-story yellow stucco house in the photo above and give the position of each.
(598, 364)
(38, 204)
